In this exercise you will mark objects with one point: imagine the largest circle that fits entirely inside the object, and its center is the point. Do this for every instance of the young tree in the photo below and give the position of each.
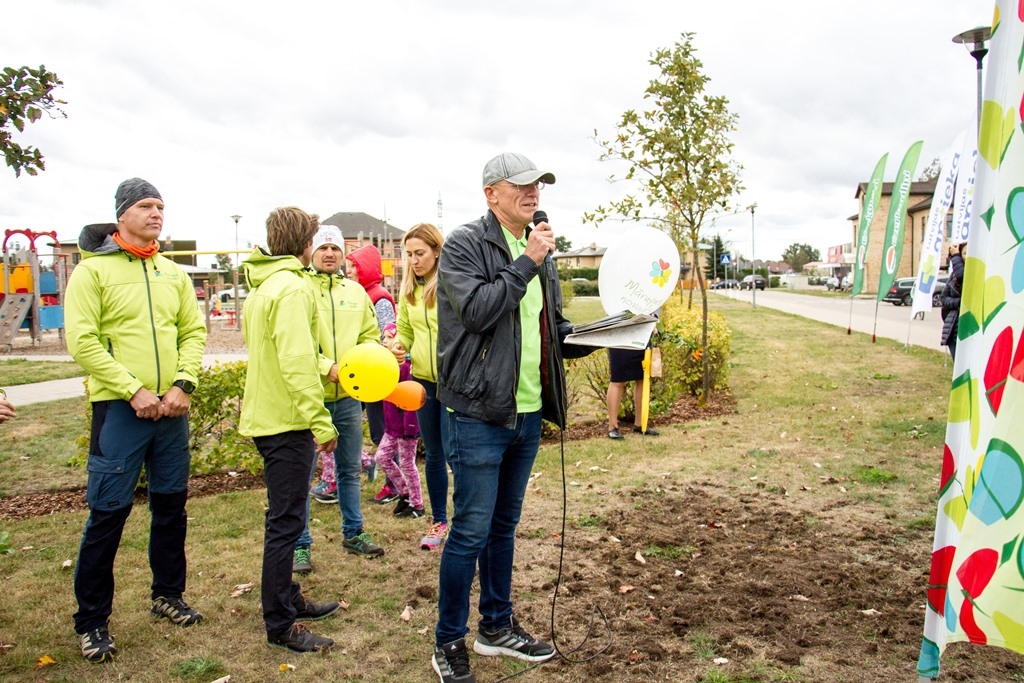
(25, 94)
(798, 255)
(679, 152)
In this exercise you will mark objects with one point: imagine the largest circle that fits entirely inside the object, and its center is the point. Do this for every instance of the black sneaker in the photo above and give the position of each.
(411, 513)
(98, 645)
(362, 545)
(300, 639)
(177, 610)
(311, 611)
(451, 662)
(651, 431)
(401, 507)
(512, 642)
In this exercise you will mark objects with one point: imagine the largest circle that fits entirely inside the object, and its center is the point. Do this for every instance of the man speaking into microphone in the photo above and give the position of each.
(500, 373)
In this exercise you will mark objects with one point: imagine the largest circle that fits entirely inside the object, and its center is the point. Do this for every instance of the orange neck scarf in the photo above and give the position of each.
(140, 252)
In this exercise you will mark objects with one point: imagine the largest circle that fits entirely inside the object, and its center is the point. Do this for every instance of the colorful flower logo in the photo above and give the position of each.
(660, 272)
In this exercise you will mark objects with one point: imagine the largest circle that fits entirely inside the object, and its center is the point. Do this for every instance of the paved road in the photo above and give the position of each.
(893, 321)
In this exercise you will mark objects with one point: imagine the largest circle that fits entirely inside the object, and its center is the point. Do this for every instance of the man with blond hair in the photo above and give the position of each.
(283, 411)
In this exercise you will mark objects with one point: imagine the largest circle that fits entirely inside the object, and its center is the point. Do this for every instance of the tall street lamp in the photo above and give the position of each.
(236, 218)
(753, 261)
(974, 40)
(234, 276)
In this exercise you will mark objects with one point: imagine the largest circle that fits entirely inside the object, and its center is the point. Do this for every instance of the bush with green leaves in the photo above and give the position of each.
(678, 337)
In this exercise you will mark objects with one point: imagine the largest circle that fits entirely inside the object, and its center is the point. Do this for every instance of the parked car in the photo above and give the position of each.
(940, 284)
(200, 292)
(751, 281)
(902, 292)
(228, 294)
(728, 283)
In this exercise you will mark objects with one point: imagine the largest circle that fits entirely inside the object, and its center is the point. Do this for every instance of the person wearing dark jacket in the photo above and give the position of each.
(500, 373)
(951, 297)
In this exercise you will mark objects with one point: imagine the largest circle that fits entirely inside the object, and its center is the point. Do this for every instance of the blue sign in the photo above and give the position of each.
(726, 260)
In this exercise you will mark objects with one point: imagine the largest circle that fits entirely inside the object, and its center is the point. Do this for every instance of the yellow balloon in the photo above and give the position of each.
(368, 372)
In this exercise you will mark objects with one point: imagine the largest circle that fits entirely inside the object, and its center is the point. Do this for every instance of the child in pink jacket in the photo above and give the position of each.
(401, 431)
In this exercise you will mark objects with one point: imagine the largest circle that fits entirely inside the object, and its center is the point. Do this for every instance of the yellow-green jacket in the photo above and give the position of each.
(347, 318)
(282, 383)
(417, 330)
(131, 322)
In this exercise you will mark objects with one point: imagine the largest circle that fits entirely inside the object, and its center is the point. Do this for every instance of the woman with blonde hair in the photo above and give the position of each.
(417, 341)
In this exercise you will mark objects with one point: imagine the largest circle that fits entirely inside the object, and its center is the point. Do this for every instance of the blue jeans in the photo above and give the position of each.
(347, 416)
(431, 418)
(492, 467)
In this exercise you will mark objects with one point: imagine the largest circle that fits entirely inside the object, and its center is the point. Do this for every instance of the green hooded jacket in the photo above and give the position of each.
(131, 322)
(347, 318)
(283, 392)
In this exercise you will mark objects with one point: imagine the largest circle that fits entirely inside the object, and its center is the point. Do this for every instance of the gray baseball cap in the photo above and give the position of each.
(516, 169)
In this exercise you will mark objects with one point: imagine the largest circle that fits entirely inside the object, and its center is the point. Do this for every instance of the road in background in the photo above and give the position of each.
(893, 321)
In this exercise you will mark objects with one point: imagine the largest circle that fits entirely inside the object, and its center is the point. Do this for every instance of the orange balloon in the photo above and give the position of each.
(408, 395)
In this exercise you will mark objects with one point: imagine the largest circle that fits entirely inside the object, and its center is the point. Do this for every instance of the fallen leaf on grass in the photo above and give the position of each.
(650, 617)
(870, 612)
(286, 667)
(242, 589)
(625, 589)
(45, 660)
(595, 468)
(66, 564)
(679, 573)
(639, 558)
(613, 539)
(344, 605)
(720, 660)
(535, 475)
(222, 679)
(406, 614)
(799, 598)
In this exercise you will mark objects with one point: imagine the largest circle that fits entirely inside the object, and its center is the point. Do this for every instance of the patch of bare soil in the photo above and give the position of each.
(687, 574)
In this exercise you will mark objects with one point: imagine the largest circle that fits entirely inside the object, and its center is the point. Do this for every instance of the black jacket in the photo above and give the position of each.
(479, 337)
(951, 299)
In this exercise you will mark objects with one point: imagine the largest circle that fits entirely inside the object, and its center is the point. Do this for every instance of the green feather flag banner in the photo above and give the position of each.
(892, 245)
(872, 194)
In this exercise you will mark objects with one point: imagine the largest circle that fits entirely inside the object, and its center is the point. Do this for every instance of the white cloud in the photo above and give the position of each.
(232, 107)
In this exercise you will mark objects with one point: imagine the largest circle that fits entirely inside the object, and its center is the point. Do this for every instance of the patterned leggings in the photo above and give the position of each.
(404, 475)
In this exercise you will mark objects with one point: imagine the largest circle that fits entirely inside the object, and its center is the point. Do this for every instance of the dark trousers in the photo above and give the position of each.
(120, 446)
(287, 460)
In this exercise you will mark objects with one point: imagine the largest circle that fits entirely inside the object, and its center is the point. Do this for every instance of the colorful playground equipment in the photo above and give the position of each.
(31, 298)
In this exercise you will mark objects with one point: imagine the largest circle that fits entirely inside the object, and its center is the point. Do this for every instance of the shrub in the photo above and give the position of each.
(567, 292)
(213, 422)
(586, 288)
(679, 338)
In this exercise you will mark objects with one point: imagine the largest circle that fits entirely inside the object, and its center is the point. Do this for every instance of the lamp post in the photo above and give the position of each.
(234, 275)
(974, 40)
(753, 261)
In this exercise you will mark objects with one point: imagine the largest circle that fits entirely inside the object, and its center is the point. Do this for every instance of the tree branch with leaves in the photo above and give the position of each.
(25, 95)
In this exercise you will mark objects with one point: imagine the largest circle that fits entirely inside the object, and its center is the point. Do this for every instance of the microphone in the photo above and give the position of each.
(538, 218)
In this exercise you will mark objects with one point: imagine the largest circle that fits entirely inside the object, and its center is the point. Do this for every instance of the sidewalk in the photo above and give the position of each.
(54, 390)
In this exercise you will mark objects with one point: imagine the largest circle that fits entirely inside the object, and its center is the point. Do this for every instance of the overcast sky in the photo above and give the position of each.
(382, 107)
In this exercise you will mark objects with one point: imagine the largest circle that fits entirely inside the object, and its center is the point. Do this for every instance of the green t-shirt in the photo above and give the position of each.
(528, 399)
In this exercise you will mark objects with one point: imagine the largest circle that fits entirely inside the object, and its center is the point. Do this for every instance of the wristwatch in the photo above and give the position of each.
(185, 385)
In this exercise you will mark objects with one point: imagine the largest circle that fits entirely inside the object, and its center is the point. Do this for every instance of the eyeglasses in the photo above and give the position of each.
(523, 188)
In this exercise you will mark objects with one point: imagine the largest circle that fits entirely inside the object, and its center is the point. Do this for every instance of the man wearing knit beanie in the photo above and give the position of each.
(132, 322)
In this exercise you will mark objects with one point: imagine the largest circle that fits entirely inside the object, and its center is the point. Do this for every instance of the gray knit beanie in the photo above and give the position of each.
(132, 191)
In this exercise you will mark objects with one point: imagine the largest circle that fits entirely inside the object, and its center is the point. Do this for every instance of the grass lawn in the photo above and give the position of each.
(14, 371)
(839, 437)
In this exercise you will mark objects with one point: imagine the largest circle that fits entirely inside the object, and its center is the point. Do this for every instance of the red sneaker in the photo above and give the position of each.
(385, 495)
